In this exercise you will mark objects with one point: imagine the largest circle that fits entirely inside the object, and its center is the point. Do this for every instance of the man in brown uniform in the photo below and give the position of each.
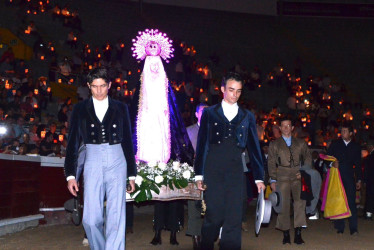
(286, 155)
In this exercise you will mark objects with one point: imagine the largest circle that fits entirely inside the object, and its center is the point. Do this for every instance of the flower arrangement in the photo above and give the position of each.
(152, 175)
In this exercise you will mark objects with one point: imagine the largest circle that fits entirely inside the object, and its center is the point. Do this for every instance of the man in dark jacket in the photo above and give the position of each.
(103, 125)
(225, 131)
(348, 154)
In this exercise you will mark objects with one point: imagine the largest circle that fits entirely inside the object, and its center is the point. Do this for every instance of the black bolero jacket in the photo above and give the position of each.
(86, 128)
(213, 127)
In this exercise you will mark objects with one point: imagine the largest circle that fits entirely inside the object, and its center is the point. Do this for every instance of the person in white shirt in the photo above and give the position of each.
(226, 130)
(103, 126)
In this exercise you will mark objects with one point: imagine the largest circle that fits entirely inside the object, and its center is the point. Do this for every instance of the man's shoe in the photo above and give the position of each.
(298, 240)
(85, 242)
(157, 239)
(196, 242)
(314, 217)
(286, 237)
(245, 227)
(173, 238)
(354, 233)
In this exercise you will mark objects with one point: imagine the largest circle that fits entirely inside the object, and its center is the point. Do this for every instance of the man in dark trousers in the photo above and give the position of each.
(369, 180)
(225, 131)
(348, 155)
(194, 212)
(103, 125)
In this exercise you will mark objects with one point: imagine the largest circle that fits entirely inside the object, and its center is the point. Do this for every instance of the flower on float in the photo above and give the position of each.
(176, 165)
(138, 180)
(187, 174)
(159, 179)
(152, 164)
(162, 165)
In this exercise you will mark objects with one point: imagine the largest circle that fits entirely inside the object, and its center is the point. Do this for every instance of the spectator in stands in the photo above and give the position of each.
(46, 145)
(62, 114)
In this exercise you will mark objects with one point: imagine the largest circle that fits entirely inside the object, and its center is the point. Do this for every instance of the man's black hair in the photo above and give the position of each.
(98, 73)
(231, 76)
(202, 104)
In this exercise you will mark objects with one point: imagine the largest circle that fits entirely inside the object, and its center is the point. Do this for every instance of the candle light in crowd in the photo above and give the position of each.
(26, 71)
(59, 80)
(122, 45)
(339, 134)
(71, 80)
(201, 90)
(35, 106)
(130, 92)
(54, 141)
(14, 92)
(49, 89)
(118, 80)
(366, 126)
(206, 99)
(42, 57)
(42, 134)
(52, 48)
(98, 55)
(32, 119)
(259, 85)
(7, 85)
(129, 73)
(118, 88)
(90, 67)
(324, 144)
(309, 143)
(126, 92)
(88, 51)
(368, 113)
(138, 70)
(191, 99)
(36, 91)
(125, 81)
(265, 140)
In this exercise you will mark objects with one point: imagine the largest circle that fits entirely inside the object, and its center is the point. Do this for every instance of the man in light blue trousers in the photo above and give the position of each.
(103, 125)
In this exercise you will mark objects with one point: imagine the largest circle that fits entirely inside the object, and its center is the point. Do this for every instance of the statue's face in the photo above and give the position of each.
(153, 49)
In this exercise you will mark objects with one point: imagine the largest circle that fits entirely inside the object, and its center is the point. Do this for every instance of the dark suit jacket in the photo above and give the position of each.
(212, 130)
(86, 128)
(348, 156)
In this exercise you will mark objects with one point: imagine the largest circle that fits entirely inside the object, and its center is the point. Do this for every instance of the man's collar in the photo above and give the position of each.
(100, 101)
(228, 105)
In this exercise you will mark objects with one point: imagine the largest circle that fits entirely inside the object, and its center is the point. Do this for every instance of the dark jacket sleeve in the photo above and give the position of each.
(253, 147)
(74, 138)
(202, 144)
(127, 143)
(357, 163)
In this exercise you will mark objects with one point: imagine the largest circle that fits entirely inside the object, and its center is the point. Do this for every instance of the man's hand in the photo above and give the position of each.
(358, 185)
(273, 187)
(298, 175)
(73, 187)
(132, 185)
(335, 164)
(260, 185)
(200, 185)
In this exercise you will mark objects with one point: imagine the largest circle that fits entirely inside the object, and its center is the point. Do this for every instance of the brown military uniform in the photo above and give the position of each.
(284, 164)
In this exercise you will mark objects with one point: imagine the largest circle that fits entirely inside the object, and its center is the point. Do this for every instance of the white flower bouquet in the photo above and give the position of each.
(152, 175)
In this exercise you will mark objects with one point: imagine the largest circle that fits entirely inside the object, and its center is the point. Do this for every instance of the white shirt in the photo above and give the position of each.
(346, 142)
(100, 107)
(230, 110)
